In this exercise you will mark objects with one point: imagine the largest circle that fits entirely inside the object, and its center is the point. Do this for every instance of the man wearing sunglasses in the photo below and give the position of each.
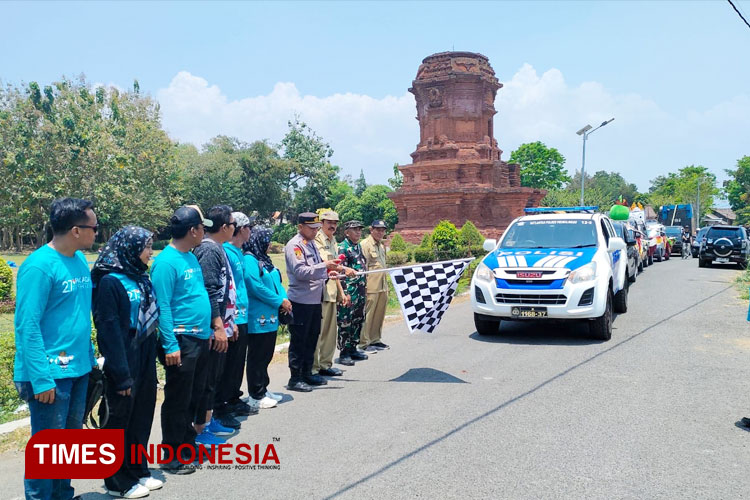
(54, 354)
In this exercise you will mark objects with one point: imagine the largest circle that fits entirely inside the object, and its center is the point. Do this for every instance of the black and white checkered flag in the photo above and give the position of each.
(426, 291)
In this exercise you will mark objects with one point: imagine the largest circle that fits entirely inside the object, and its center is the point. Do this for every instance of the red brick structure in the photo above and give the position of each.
(457, 173)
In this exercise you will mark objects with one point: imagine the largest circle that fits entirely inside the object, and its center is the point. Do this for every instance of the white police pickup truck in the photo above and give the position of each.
(553, 263)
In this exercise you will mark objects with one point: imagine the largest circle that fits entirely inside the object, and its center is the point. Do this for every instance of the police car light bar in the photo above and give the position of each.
(560, 209)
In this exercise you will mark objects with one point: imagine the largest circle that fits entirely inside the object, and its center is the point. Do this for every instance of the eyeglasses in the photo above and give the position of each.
(95, 228)
(232, 224)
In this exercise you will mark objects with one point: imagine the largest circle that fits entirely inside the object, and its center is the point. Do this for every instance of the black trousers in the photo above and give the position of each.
(216, 363)
(260, 347)
(134, 413)
(183, 390)
(304, 335)
(230, 386)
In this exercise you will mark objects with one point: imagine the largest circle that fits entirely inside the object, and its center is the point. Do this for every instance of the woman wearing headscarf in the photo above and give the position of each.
(267, 298)
(126, 318)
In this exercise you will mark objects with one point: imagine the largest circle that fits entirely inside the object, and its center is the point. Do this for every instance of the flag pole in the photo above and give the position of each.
(388, 269)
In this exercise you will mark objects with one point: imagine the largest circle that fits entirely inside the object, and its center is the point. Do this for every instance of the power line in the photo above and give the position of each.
(738, 13)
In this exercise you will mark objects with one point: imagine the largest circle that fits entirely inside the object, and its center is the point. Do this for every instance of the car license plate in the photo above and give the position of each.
(722, 259)
(528, 312)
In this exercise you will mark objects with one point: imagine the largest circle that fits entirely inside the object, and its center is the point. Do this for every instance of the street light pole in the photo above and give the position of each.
(586, 132)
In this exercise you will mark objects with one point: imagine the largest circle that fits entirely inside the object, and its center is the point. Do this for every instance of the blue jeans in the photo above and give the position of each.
(65, 413)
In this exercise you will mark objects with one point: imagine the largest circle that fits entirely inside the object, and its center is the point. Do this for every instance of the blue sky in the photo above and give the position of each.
(676, 75)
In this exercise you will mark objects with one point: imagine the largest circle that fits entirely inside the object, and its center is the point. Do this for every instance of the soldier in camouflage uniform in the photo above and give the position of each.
(351, 318)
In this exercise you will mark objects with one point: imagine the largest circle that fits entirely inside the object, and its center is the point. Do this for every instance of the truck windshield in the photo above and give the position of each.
(673, 231)
(552, 233)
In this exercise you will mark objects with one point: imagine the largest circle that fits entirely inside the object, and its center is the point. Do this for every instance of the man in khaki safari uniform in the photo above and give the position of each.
(377, 288)
(325, 241)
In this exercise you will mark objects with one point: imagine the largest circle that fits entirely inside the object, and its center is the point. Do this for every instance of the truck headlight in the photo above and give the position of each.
(583, 273)
(484, 273)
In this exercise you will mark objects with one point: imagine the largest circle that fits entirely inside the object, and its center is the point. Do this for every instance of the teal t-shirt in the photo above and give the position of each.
(53, 319)
(184, 308)
(236, 261)
(134, 296)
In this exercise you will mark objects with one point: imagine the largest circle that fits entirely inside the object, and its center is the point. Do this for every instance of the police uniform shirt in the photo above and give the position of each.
(306, 271)
(375, 257)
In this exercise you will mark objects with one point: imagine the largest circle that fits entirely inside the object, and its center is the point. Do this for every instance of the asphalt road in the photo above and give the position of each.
(539, 411)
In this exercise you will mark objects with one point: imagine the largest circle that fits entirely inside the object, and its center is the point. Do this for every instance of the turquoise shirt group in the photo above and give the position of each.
(184, 308)
(265, 295)
(53, 319)
(237, 264)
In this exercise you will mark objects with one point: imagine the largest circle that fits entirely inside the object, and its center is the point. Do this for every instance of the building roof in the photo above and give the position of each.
(727, 213)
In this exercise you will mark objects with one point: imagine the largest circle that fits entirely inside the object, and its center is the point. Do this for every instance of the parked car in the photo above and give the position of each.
(657, 243)
(724, 244)
(695, 246)
(624, 231)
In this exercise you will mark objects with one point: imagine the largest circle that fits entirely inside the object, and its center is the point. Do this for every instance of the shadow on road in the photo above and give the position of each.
(428, 375)
(541, 333)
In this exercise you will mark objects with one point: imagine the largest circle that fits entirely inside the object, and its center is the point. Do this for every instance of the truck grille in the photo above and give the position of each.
(530, 299)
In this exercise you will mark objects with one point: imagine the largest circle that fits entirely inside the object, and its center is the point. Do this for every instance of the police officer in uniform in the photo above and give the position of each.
(307, 274)
(352, 317)
(377, 288)
(332, 293)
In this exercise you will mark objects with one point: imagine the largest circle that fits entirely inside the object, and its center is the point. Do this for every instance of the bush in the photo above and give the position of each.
(470, 235)
(7, 306)
(446, 240)
(476, 251)
(423, 255)
(397, 243)
(396, 258)
(6, 281)
(426, 241)
(9, 399)
(283, 233)
(160, 244)
(276, 247)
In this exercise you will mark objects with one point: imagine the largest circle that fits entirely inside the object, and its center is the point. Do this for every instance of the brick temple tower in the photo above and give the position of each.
(456, 171)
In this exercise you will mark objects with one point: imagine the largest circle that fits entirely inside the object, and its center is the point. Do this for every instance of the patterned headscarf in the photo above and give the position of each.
(122, 254)
(257, 245)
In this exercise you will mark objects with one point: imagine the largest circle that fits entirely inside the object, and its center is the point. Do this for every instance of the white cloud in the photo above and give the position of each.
(368, 133)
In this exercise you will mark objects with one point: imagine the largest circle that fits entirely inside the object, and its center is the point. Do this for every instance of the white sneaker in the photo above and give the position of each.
(264, 403)
(137, 491)
(273, 395)
(151, 483)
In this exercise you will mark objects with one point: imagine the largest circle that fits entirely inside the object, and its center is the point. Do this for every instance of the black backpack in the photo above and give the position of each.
(97, 408)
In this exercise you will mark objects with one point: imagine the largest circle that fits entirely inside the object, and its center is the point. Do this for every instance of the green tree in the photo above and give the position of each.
(361, 184)
(737, 189)
(397, 180)
(541, 167)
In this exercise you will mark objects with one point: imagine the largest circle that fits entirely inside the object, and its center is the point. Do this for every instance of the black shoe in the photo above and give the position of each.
(298, 386)
(227, 420)
(240, 409)
(358, 355)
(330, 372)
(346, 360)
(314, 380)
(380, 345)
(744, 421)
(175, 467)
